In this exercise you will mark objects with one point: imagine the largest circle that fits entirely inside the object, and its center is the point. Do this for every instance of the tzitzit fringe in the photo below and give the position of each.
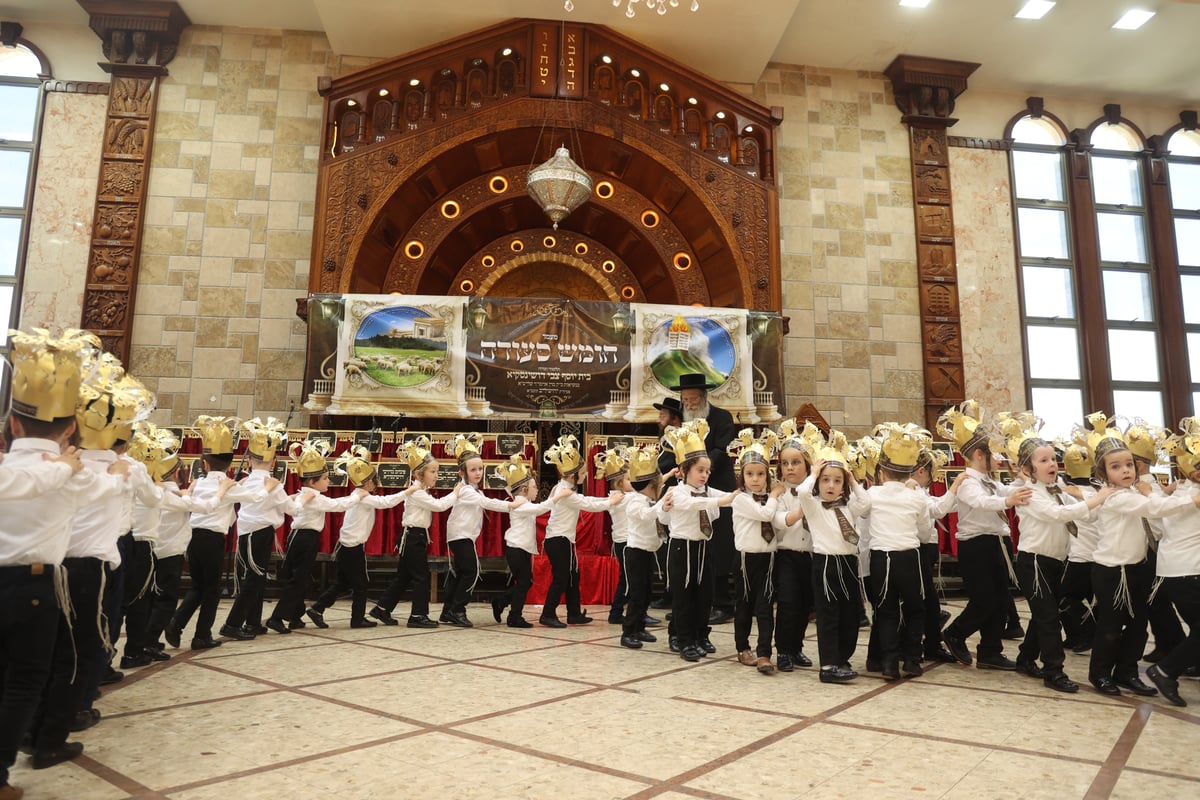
(769, 586)
(1012, 574)
(62, 592)
(1123, 599)
(1154, 587)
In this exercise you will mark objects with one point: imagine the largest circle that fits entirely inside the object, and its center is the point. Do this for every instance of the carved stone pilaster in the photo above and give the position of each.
(139, 38)
(925, 91)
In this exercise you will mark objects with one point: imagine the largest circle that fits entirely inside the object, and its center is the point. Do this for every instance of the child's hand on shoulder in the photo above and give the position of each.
(1074, 491)
(305, 498)
(962, 476)
(1170, 488)
(778, 489)
(560, 494)
(615, 498)
(911, 483)
(270, 483)
(360, 493)
(1143, 488)
(1019, 497)
(69, 456)
(412, 487)
(668, 501)
(119, 467)
(727, 499)
(517, 502)
(1104, 492)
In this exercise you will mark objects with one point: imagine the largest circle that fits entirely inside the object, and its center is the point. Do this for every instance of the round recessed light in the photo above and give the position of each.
(414, 82)
(650, 218)
(604, 190)
(488, 261)
(498, 184)
(666, 87)
(635, 73)
(451, 209)
(383, 92)
(606, 59)
(581, 248)
(508, 51)
(516, 245)
(682, 262)
(414, 249)
(720, 115)
(608, 266)
(627, 292)
(467, 286)
(549, 242)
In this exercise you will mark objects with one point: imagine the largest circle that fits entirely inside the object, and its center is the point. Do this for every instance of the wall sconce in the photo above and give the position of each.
(621, 323)
(477, 316)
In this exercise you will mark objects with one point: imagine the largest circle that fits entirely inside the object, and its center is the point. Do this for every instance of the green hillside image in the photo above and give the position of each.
(669, 365)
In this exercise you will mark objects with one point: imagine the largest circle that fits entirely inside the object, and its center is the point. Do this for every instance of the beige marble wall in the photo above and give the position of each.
(849, 253)
(229, 222)
(64, 199)
(993, 358)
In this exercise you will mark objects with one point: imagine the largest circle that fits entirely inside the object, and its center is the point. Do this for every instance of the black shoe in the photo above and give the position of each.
(519, 622)
(363, 623)
(1136, 685)
(719, 617)
(632, 642)
(552, 622)
(142, 659)
(383, 616)
(1081, 647)
(707, 646)
(784, 663)
(874, 665)
(277, 625)
(157, 655)
(205, 644)
(85, 719)
(837, 675)
(296, 624)
(1000, 662)
(257, 630)
(581, 619)
(691, 652)
(957, 646)
(317, 617)
(943, 618)
(230, 632)
(649, 620)
(65, 752)
(801, 660)
(673, 644)
(662, 602)
(1166, 684)
(421, 621)
(941, 655)
(111, 676)
(1060, 683)
(459, 620)
(497, 608)
(1154, 656)
(615, 620)
(1106, 686)
(890, 672)
(912, 669)
(642, 636)
(1014, 632)
(172, 635)
(1030, 668)
(1192, 672)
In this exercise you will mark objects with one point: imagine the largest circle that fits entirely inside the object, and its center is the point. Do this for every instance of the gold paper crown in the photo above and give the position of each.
(1019, 436)
(416, 452)
(1184, 447)
(687, 440)
(1076, 459)
(746, 448)
(863, 457)
(1101, 437)
(110, 401)
(612, 463)
(515, 472)
(835, 450)
(643, 463)
(466, 446)
(962, 424)
(1145, 440)
(216, 434)
(157, 448)
(936, 460)
(265, 437)
(789, 436)
(565, 455)
(356, 462)
(900, 445)
(47, 372)
(310, 457)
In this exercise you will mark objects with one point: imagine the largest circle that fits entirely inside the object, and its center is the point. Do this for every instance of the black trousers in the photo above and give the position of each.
(460, 580)
(76, 661)
(167, 575)
(1185, 594)
(982, 562)
(1164, 622)
(837, 598)
(520, 568)
(114, 610)
(621, 594)
(933, 608)
(691, 577)
(1075, 603)
(1120, 631)
(725, 562)
(564, 577)
(351, 577)
(303, 545)
(254, 555)
(412, 569)
(139, 597)
(794, 594)
(900, 615)
(638, 569)
(1010, 603)
(29, 617)
(204, 555)
(1041, 583)
(754, 604)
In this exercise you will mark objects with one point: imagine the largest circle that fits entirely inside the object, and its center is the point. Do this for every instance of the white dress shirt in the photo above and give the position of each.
(220, 519)
(148, 520)
(1083, 544)
(139, 489)
(360, 517)
(899, 517)
(564, 517)
(826, 532)
(311, 515)
(33, 479)
(1179, 549)
(420, 507)
(1044, 522)
(265, 513)
(522, 525)
(686, 510)
(644, 517)
(99, 524)
(980, 507)
(791, 537)
(466, 518)
(748, 517)
(938, 507)
(174, 521)
(1122, 534)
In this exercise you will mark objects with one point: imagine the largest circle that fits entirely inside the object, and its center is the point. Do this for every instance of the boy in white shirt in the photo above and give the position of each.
(520, 540)
(644, 515)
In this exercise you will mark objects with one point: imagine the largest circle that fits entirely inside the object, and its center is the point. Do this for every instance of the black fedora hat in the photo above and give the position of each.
(693, 380)
(671, 405)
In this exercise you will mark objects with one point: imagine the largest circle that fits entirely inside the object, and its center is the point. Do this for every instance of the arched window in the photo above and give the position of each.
(1183, 166)
(21, 73)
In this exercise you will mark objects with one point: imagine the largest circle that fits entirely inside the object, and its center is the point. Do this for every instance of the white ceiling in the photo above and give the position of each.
(1071, 50)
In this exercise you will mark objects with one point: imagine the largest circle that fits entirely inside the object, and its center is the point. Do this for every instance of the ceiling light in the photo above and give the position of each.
(414, 82)
(915, 3)
(1035, 9)
(383, 92)
(606, 59)
(635, 73)
(666, 87)
(1134, 18)
(506, 51)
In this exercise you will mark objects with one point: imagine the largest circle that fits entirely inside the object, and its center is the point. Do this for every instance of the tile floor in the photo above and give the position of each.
(495, 712)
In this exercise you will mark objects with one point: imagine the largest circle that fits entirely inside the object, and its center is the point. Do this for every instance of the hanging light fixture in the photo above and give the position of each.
(559, 186)
(659, 6)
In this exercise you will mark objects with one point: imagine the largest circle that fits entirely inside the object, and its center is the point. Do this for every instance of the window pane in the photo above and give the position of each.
(14, 173)
(6, 315)
(1184, 143)
(1116, 181)
(1191, 299)
(1053, 353)
(18, 107)
(1187, 241)
(1043, 233)
(1127, 296)
(1036, 131)
(19, 62)
(1122, 238)
(1147, 405)
(1185, 186)
(1115, 137)
(1193, 347)
(10, 238)
(1038, 175)
(1133, 355)
(1048, 292)
(1061, 409)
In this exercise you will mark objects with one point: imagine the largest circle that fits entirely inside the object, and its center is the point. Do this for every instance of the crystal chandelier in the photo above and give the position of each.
(631, 6)
(559, 186)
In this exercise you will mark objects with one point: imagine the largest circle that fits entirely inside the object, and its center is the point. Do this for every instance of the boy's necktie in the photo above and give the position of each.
(705, 523)
(1056, 492)
(848, 532)
(768, 530)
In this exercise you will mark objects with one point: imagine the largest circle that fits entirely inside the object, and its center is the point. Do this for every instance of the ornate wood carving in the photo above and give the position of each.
(139, 39)
(76, 87)
(925, 90)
